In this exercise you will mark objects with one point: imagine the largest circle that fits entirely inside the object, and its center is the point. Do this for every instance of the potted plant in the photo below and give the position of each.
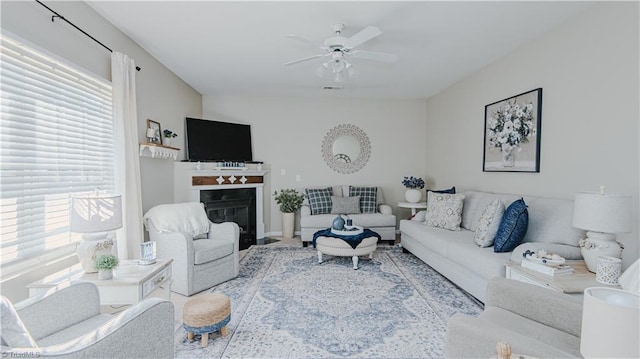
(413, 184)
(168, 135)
(289, 200)
(105, 264)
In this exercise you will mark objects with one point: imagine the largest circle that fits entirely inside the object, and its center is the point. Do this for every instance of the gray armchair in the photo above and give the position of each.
(66, 322)
(535, 321)
(204, 253)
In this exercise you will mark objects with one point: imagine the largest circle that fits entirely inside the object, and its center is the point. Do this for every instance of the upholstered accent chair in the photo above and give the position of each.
(535, 321)
(204, 253)
(65, 322)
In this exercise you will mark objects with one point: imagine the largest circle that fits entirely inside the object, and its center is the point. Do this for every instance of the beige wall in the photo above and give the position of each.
(287, 134)
(588, 69)
(161, 95)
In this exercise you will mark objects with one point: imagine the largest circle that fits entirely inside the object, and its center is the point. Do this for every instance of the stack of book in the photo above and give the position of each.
(555, 270)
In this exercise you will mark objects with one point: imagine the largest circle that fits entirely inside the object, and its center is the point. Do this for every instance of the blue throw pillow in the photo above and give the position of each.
(451, 190)
(319, 200)
(512, 228)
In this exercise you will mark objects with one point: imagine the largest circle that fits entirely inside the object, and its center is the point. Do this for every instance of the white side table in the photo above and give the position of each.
(130, 284)
(413, 206)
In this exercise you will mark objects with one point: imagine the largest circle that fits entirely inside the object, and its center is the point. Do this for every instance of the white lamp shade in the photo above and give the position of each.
(96, 214)
(606, 213)
(610, 323)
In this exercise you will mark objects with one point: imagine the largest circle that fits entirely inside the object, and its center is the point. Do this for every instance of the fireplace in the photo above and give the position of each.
(233, 205)
(228, 195)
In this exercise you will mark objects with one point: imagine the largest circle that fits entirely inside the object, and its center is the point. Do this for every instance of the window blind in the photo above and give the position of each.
(56, 138)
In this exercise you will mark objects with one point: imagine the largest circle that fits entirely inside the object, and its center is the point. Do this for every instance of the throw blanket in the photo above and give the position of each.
(353, 241)
(188, 218)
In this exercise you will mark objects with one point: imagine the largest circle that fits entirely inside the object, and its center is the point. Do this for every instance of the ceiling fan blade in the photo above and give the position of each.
(302, 60)
(373, 55)
(306, 42)
(363, 36)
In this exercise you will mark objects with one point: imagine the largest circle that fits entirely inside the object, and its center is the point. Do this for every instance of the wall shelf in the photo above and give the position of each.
(154, 150)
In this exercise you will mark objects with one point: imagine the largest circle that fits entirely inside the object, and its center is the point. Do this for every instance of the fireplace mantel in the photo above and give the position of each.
(189, 181)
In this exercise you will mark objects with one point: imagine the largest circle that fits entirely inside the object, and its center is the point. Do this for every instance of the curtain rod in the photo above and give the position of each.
(56, 15)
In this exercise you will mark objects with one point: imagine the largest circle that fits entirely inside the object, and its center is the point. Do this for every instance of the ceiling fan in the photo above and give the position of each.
(339, 48)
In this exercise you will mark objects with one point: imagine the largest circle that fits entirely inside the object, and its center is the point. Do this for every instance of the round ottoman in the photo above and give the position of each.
(206, 314)
(338, 247)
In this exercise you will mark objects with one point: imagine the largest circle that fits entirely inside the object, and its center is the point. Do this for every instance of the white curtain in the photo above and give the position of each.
(127, 164)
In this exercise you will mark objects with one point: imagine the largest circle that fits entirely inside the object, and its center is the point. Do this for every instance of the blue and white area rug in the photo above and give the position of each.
(286, 305)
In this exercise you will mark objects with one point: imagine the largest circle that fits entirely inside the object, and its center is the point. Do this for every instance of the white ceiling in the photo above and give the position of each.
(232, 48)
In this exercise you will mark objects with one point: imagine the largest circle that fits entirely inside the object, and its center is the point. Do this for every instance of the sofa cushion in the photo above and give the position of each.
(435, 239)
(550, 221)
(444, 210)
(368, 198)
(488, 223)
(345, 205)
(513, 227)
(207, 250)
(319, 199)
(482, 261)
(369, 220)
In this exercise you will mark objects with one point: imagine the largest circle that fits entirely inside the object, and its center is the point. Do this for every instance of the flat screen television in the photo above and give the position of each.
(218, 141)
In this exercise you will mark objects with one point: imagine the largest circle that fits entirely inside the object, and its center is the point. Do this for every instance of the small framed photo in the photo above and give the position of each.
(154, 132)
(512, 133)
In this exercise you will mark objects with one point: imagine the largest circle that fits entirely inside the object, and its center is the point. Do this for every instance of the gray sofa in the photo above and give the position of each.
(456, 255)
(537, 323)
(383, 222)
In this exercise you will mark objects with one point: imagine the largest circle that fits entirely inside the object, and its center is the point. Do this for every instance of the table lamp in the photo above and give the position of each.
(610, 323)
(602, 215)
(97, 217)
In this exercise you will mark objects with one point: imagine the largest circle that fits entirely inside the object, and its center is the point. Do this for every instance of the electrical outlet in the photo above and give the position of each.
(298, 178)
(283, 172)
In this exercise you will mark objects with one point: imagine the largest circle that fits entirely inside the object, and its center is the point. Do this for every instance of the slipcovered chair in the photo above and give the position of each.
(535, 321)
(204, 253)
(65, 322)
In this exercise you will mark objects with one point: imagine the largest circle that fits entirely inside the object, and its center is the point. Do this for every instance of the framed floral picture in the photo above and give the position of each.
(154, 132)
(512, 133)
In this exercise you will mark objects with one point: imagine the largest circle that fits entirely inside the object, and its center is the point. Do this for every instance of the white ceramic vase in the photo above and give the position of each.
(413, 195)
(166, 141)
(288, 224)
(105, 274)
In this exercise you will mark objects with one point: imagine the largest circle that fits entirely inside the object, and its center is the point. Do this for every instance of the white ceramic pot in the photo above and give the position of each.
(166, 141)
(288, 224)
(413, 195)
(105, 274)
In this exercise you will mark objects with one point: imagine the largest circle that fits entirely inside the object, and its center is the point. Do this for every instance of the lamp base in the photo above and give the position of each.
(599, 244)
(91, 247)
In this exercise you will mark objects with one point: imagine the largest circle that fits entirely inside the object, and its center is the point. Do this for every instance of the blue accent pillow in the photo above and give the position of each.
(512, 228)
(320, 200)
(451, 190)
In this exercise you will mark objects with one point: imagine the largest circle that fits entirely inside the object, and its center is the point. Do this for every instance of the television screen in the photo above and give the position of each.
(217, 141)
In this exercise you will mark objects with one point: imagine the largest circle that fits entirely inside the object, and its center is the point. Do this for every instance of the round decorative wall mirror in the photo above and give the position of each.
(346, 148)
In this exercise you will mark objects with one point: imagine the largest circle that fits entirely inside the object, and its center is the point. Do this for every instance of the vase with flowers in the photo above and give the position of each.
(413, 185)
(168, 135)
(509, 126)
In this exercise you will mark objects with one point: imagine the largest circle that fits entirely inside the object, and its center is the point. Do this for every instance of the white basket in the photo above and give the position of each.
(608, 270)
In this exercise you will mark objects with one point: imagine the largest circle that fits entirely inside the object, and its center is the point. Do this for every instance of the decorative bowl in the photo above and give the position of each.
(352, 231)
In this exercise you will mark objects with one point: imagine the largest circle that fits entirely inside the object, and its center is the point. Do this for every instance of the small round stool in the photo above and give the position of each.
(206, 314)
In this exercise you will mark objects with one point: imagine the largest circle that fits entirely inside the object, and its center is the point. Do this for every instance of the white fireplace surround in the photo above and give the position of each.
(186, 191)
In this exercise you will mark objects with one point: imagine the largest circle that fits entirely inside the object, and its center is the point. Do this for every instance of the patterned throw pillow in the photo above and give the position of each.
(345, 205)
(444, 210)
(512, 228)
(319, 199)
(488, 223)
(368, 198)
